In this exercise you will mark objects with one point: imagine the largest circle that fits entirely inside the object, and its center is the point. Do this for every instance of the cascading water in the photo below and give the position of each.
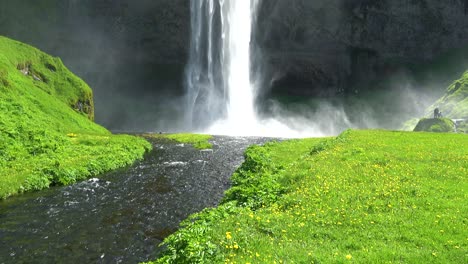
(236, 40)
(218, 76)
(220, 92)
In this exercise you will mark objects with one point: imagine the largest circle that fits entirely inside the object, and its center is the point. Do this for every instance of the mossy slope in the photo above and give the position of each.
(37, 69)
(46, 133)
(454, 104)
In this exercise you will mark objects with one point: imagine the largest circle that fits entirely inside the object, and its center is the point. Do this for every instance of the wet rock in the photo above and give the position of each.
(36, 78)
(83, 107)
(435, 125)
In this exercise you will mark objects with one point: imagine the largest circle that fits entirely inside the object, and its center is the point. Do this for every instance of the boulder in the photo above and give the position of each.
(439, 125)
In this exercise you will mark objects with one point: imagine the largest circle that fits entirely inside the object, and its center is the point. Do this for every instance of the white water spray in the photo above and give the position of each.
(236, 20)
(221, 95)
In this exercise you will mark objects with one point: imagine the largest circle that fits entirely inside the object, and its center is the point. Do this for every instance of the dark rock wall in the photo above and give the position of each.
(326, 46)
(148, 30)
(133, 52)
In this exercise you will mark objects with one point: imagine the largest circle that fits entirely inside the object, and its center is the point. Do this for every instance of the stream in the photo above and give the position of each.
(122, 216)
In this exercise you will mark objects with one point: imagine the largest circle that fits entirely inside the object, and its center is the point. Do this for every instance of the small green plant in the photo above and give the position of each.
(261, 175)
(197, 140)
(4, 78)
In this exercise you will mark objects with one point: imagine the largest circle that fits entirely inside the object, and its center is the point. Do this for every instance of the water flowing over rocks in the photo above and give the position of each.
(122, 216)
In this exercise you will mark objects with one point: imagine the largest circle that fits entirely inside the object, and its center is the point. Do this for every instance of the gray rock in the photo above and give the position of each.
(325, 46)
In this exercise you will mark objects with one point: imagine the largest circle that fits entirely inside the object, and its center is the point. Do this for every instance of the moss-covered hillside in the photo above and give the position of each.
(454, 104)
(46, 131)
(21, 66)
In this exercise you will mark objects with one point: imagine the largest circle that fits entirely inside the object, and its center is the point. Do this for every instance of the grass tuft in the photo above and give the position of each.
(197, 140)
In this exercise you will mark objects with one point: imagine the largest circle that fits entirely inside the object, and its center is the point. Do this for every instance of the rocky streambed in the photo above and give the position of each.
(119, 217)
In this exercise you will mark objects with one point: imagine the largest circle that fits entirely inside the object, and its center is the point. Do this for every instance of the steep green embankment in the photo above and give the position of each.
(453, 105)
(46, 131)
(365, 197)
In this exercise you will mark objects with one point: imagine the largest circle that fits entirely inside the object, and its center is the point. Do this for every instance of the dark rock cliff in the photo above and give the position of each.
(133, 53)
(326, 46)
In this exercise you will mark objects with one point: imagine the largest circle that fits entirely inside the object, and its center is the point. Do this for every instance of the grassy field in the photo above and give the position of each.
(47, 136)
(364, 197)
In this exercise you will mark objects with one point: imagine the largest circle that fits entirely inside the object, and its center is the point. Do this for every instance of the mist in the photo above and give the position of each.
(330, 116)
(313, 76)
(131, 53)
(318, 67)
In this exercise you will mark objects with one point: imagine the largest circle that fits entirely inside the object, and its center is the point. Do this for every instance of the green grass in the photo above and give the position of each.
(198, 141)
(365, 197)
(23, 66)
(46, 133)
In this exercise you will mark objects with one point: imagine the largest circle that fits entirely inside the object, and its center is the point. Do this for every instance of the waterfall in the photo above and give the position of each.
(220, 90)
(237, 34)
(218, 73)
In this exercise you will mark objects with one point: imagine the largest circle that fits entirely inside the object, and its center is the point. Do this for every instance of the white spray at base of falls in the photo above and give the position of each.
(221, 94)
(236, 21)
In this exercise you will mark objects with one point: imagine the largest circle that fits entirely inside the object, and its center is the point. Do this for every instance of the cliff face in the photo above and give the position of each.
(153, 30)
(325, 46)
(133, 53)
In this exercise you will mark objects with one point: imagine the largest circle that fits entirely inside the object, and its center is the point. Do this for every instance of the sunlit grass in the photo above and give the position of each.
(43, 140)
(365, 197)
